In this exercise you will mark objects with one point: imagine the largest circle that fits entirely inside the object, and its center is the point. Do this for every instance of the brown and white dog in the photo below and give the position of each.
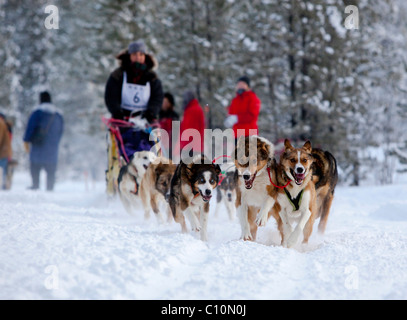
(298, 198)
(252, 156)
(324, 177)
(192, 187)
(130, 178)
(155, 187)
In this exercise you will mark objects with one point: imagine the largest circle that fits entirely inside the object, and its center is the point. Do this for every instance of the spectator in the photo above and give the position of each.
(193, 118)
(43, 132)
(243, 110)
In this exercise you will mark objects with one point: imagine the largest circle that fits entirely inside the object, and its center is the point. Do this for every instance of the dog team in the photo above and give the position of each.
(295, 190)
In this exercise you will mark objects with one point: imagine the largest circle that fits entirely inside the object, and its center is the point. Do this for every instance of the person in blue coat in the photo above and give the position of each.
(44, 131)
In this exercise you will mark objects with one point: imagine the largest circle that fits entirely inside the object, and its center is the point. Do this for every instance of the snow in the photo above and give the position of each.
(76, 243)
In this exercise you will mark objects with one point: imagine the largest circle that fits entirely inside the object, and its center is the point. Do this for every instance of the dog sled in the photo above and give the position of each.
(124, 138)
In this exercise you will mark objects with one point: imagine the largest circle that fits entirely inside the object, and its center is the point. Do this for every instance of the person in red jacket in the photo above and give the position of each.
(193, 118)
(243, 110)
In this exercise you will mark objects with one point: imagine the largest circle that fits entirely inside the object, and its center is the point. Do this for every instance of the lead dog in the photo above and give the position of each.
(253, 156)
(324, 176)
(130, 177)
(298, 198)
(192, 188)
(155, 187)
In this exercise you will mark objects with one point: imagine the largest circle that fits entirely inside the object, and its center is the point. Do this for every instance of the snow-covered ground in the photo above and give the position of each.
(77, 244)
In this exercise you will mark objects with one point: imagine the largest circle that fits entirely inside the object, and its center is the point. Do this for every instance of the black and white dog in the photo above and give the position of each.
(192, 186)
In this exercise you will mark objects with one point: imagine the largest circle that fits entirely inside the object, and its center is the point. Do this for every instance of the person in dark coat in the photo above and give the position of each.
(134, 90)
(167, 116)
(44, 131)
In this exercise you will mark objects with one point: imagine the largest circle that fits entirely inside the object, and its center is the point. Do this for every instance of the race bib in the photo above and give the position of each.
(135, 97)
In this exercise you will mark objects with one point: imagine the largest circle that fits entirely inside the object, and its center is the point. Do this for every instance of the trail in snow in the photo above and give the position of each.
(78, 244)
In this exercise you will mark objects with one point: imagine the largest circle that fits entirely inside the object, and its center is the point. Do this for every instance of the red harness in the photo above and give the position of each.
(281, 187)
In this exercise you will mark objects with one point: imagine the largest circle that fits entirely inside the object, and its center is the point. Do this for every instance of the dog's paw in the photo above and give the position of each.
(196, 228)
(247, 237)
(293, 238)
(261, 219)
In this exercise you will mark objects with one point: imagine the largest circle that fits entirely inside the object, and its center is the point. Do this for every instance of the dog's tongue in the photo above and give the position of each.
(249, 183)
(299, 178)
(206, 198)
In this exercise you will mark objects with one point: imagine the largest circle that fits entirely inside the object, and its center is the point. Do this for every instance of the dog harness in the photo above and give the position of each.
(135, 191)
(296, 202)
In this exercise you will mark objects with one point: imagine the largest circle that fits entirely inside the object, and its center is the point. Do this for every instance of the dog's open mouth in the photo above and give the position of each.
(249, 183)
(299, 178)
(205, 198)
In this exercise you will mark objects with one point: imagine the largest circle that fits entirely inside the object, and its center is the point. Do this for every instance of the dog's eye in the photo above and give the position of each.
(202, 180)
(211, 181)
(305, 160)
(292, 160)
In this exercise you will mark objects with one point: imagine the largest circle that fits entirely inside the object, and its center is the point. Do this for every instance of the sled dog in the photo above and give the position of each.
(294, 172)
(192, 187)
(227, 193)
(253, 156)
(130, 176)
(155, 187)
(298, 198)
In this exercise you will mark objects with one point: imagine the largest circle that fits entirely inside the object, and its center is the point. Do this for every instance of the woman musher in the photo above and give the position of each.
(134, 94)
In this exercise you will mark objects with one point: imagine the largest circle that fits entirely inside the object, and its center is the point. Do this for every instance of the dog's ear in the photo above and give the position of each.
(236, 175)
(270, 149)
(152, 157)
(239, 145)
(288, 145)
(188, 169)
(158, 170)
(307, 146)
(217, 169)
(264, 154)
